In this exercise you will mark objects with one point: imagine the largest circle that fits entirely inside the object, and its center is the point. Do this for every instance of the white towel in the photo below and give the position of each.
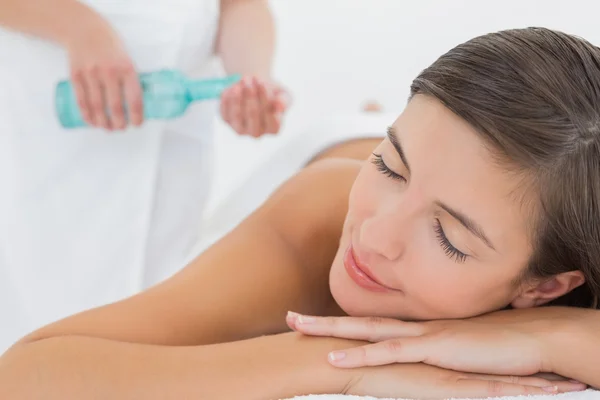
(585, 395)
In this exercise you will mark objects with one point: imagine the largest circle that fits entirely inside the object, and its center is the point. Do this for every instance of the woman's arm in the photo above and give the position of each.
(53, 20)
(102, 73)
(269, 367)
(277, 260)
(246, 40)
(77, 367)
(243, 286)
(570, 339)
(256, 105)
(559, 340)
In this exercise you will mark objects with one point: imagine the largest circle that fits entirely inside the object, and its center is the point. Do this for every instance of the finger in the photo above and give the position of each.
(265, 114)
(272, 123)
(134, 99)
(114, 99)
(282, 101)
(549, 386)
(290, 320)
(236, 109)
(270, 116)
(278, 105)
(563, 383)
(80, 90)
(569, 386)
(372, 329)
(521, 380)
(480, 388)
(402, 350)
(251, 110)
(95, 98)
(225, 107)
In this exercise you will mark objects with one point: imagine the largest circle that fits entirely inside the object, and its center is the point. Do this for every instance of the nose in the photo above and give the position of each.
(386, 232)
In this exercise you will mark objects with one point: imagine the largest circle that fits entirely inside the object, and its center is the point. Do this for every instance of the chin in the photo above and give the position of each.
(350, 305)
(344, 296)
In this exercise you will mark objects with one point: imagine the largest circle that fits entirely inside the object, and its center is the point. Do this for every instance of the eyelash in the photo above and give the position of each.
(384, 169)
(451, 251)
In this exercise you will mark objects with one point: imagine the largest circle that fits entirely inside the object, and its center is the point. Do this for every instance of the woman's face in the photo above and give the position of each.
(435, 228)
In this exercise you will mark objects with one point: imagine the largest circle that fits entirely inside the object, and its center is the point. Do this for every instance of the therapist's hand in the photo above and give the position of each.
(104, 77)
(254, 107)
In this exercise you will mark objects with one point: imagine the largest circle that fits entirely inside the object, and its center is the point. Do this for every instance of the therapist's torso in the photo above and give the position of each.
(88, 217)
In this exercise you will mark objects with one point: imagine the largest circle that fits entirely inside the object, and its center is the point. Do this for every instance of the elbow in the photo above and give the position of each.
(16, 370)
(21, 370)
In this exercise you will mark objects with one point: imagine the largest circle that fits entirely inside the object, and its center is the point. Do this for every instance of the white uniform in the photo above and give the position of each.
(88, 217)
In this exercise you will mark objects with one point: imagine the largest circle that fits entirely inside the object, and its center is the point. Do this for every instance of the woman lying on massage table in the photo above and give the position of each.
(480, 213)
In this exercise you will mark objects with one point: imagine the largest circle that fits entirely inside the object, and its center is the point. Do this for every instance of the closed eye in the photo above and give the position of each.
(384, 169)
(452, 252)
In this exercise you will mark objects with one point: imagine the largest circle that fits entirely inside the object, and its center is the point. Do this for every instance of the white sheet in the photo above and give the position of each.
(585, 395)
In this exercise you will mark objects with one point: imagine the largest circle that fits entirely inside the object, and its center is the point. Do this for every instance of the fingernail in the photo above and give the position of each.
(292, 315)
(335, 356)
(303, 319)
(550, 389)
(573, 381)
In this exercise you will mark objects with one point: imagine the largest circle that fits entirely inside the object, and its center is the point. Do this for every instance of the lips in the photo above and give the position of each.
(360, 273)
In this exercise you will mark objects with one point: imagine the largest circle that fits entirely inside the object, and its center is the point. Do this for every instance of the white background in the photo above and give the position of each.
(334, 55)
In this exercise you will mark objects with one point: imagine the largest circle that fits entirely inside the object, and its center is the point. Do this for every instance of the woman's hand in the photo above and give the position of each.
(416, 380)
(254, 107)
(104, 77)
(509, 342)
(421, 381)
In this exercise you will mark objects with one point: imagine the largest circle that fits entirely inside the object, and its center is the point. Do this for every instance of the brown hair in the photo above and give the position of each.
(534, 96)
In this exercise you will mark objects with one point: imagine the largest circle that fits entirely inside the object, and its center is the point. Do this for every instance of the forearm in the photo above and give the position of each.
(246, 39)
(573, 345)
(277, 366)
(53, 20)
(569, 337)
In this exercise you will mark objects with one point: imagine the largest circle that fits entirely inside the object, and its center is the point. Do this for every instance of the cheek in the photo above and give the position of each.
(450, 290)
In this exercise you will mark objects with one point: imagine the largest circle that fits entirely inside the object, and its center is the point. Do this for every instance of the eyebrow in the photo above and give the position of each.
(468, 223)
(465, 221)
(391, 133)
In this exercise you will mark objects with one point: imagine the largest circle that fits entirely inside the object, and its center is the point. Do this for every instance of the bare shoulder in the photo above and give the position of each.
(308, 213)
(310, 208)
(326, 181)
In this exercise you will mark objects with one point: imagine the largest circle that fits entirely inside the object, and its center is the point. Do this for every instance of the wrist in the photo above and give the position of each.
(565, 337)
(545, 328)
(71, 22)
(85, 27)
(313, 372)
